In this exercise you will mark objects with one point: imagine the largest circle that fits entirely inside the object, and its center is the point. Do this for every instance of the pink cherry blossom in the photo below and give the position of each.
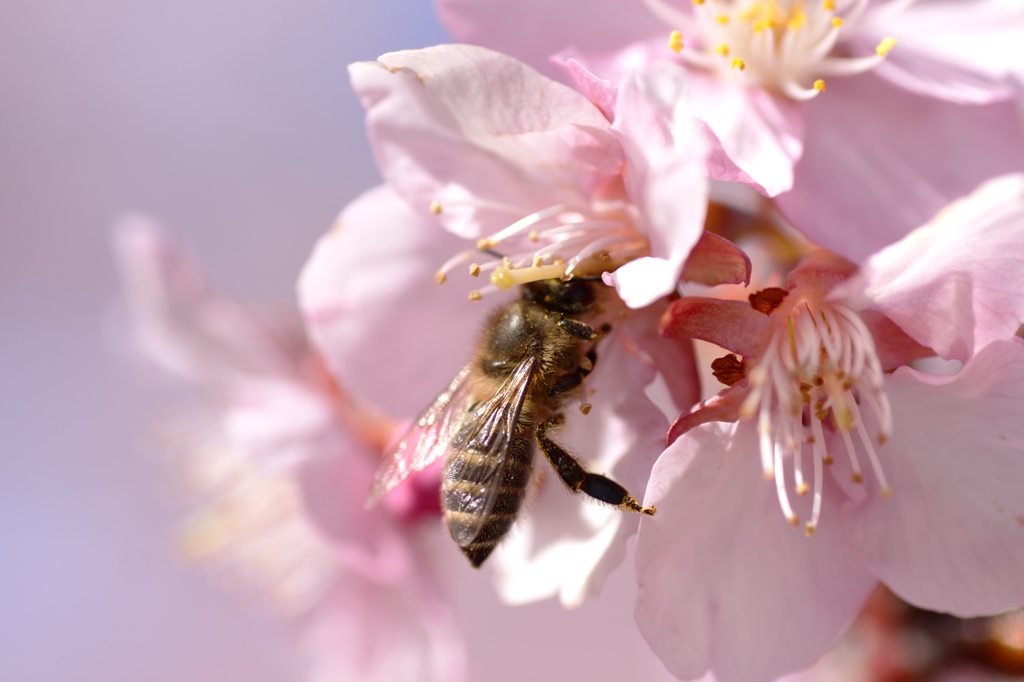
(530, 169)
(923, 491)
(286, 474)
(872, 115)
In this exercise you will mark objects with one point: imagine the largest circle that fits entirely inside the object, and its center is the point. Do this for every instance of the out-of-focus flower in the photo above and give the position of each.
(908, 106)
(544, 186)
(923, 495)
(286, 473)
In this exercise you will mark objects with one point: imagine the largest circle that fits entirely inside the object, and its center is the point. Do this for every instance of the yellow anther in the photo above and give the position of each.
(538, 261)
(830, 5)
(837, 22)
(793, 519)
(723, 50)
(885, 46)
(856, 477)
(738, 63)
(475, 295)
(819, 85)
(797, 20)
(506, 278)
(485, 244)
(435, 207)
(440, 277)
(534, 236)
(885, 493)
(675, 41)
(698, 2)
(474, 270)
(809, 529)
(803, 488)
(722, 18)
(585, 408)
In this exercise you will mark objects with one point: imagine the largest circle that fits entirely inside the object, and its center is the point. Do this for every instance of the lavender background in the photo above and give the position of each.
(231, 121)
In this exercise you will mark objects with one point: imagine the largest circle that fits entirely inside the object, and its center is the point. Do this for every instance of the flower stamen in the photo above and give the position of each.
(781, 45)
(817, 365)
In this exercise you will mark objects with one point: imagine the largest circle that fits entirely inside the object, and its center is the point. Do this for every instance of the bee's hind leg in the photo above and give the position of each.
(580, 480)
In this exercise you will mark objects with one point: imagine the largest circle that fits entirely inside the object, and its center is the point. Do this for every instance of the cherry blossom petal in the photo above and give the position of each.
(458, 124)
(724, 582)
(966, 52)
(182, 324)
(665, 174)
(721, 407)
(951, 538)
(335, 480)
(601, 92)
(276, 424)
(674, 359)
(880, 161)
(566, 544)
(760, 133)
(370, 301)
(734, 325)
(820, 271)
(930, 75)
(373, 632)
(893, 346)
(955, 284)
(715, 260)
(533, 30)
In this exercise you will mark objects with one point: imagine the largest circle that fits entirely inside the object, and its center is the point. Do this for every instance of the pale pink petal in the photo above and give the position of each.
(186, 327)
(724, 406)
(916, 69)
(724, 582)
(715, 260)
(601, 92)
(565, 544)
(368, 632)
(893, 346)
(760, 133)
(457, 124)
(673, 358)
(820, 271)
(533, 30)
(955, 284)
(278, 423)
(665, 175)
(966, 51)
(880, 161)
(734, 325)
(951, 538)
(373, 309)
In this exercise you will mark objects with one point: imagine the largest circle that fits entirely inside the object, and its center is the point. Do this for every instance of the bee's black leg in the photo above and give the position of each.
(567, 382)
(578, 329)
(580, 480)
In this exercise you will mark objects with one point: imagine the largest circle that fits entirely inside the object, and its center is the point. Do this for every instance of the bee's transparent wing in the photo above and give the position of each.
(425, 440)
(486, 435)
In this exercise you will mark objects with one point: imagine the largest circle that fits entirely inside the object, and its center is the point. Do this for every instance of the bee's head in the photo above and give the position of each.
(571, 297)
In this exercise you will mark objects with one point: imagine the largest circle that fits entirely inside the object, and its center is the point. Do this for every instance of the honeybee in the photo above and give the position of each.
(531, 357)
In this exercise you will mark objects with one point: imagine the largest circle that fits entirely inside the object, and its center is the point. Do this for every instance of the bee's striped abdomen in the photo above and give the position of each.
(462, 498)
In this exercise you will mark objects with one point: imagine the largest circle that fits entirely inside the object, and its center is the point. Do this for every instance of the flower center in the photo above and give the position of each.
(781, 45)
(556, 242)
(819, 366)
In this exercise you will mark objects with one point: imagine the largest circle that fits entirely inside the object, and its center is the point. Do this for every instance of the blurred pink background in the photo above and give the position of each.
(231, 121)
